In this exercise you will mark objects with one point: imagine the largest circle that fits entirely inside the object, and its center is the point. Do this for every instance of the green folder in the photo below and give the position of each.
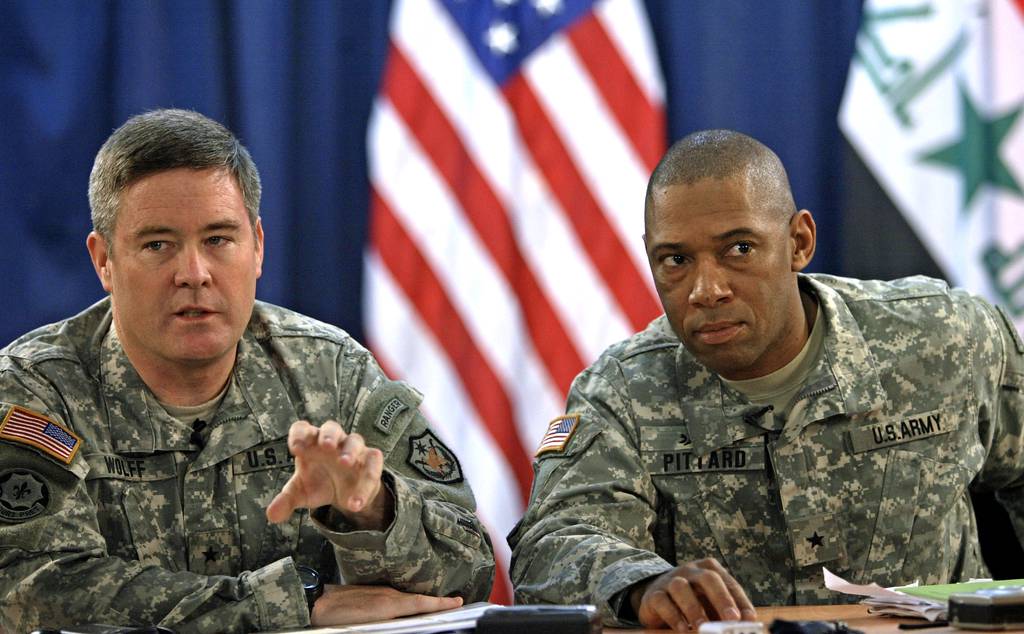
(941, 592)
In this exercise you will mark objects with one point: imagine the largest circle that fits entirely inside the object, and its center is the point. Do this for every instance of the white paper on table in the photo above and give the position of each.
(887, 600)
(463, 618)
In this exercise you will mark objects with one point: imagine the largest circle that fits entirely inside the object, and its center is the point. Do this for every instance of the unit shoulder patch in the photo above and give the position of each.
(26, 427)
(23, 495)
(429, 456)
(559, 432)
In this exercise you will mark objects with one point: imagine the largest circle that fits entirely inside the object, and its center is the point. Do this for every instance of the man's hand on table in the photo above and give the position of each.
(343, 605)
(691, 594)
(337, 469)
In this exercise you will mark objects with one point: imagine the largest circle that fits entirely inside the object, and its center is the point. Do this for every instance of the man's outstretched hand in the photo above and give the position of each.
(337, 469)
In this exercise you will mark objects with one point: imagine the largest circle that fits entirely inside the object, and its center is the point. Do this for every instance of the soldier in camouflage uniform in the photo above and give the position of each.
(770, 423)
(156, 465)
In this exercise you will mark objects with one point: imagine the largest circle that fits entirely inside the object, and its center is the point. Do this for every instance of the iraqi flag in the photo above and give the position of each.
(933, 110)
(935, 167)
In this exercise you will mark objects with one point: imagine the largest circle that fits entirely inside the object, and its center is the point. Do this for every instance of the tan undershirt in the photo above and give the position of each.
(186, 413)
(189, 413)
(778, 388)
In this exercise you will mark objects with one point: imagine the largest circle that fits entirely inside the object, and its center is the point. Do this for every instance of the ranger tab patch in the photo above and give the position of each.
(429, 456)
(31, 428)
(558, 434)
(388, 415)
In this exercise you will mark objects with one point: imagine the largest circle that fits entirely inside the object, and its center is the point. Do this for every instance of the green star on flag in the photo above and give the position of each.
(976, 154)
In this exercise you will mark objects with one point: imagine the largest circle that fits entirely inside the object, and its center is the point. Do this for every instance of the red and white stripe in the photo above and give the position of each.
(558, 434)
(505, 250)
(27, 426)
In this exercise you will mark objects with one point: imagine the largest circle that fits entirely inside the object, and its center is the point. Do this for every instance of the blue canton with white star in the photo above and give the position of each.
(503, 33)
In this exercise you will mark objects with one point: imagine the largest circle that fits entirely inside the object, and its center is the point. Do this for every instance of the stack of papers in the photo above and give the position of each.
(457, 620)
(926, 602)
(889, 601)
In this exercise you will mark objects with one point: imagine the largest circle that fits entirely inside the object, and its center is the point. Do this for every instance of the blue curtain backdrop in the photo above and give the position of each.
(296, 80)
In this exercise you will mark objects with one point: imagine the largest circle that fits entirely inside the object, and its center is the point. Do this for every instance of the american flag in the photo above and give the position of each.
(559, 431)
(510, 147)
(34, 429)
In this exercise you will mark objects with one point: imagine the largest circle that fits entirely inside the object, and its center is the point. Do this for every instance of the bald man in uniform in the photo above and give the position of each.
(770, 423)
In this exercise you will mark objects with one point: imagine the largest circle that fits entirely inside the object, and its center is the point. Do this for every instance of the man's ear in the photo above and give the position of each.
(802, 234)
(99, 252)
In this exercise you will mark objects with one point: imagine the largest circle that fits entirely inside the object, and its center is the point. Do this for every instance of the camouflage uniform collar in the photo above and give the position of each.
(139, 424)
(137, 421)
(256, 409)
(844, 381)
(715, 414)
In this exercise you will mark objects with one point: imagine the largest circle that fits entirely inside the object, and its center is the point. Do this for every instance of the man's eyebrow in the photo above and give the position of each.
(731, 233)
(672, 246)
(734, 233)
(151, 230)
(223, 225)
(158, 230)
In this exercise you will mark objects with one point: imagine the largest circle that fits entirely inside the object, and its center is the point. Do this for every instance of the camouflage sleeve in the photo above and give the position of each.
(54, 565)
(435, 545)
(999, 365)
(587, 534)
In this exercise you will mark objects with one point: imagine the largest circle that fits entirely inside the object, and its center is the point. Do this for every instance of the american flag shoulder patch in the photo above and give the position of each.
(24, 426)
(558, 434)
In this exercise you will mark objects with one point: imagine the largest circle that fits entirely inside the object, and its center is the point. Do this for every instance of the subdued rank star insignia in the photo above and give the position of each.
(429, 456)
(210, 554)
(816, 540)
(502, 38)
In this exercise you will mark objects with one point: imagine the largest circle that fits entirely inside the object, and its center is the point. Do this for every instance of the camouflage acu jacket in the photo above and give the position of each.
(917, 396)
(122, 519)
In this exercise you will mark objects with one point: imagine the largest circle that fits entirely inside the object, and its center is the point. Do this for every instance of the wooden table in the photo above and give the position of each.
(855, 616)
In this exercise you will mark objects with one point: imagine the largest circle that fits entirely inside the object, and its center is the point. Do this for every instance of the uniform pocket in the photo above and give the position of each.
(894, 519)
(256, 480)
(153, 516)
(941, 546)
(919, 525)
(449, 523)
(138, 506)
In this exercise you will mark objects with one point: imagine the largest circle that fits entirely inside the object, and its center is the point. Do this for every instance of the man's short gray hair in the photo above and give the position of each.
(161, 140)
